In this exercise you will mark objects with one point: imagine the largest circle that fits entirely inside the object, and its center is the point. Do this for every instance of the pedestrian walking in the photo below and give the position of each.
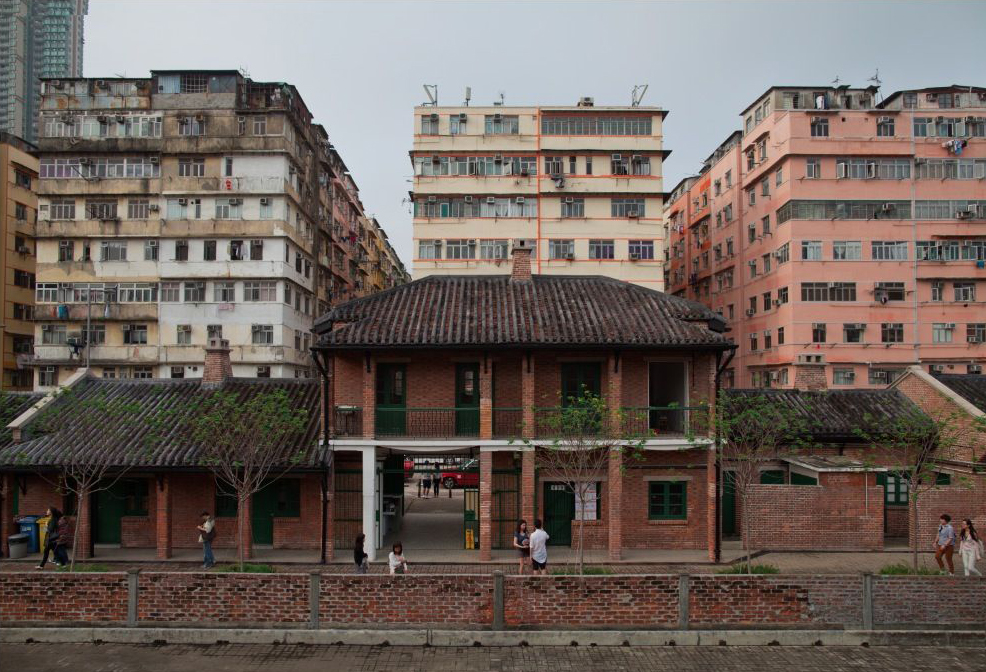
(522, 542)
(970, 548)
(207, 533)
(945, 544)
(436, 482)
(426, 483)
(51, 537)
(398, 565)
(539, 549)
(64, 536)
(359, 555)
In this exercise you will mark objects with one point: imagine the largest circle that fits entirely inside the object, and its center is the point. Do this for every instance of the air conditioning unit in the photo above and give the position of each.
(435, 158)
(633, 214)
(887, 207)
(463, 117)
(199, 118)
(467, 199)
(750, 312)
(490, 200)
(973, 339)
(519, 200)
(962, 214)
(617, 157)
(931, 97)
(498, 158)
(264, 200)
(884, 120)
(774, 375)
(102, 118)
(471, 242)
(153, 207)
(235, 201)
(152, 243)
(432, 199)
(125, 327)
(437, 242)
(182, 201)
(255, 328)
(121, 119)
(636, 158)
(497, 117)
(154, 160)
(776, 302)
(23, 249)
(84, 161)
(570, 256)
(433, 116)
(950, 325)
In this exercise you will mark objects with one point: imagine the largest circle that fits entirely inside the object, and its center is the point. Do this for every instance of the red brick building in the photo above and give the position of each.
(470, 366)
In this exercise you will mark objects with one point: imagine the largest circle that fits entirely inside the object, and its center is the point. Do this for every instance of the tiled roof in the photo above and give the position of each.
(972, 388)
(491, 310)
(840, 414)
(12, 404)
(176, 401)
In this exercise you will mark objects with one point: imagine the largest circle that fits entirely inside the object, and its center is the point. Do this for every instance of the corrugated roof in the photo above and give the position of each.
(972, 388)
(840, 414)
(12, 404)
(172, 403)
(491, 310)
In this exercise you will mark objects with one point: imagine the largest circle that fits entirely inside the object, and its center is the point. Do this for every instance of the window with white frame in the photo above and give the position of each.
(184, 208)
(641, 249)
(975, 332)
(847, 250)
(885, 127)
(262, 334)
(113, 250)
(429, 249)
(964, 291)
(194, 291)
(184, 335)
(263, 290)
(627, 207)
(224, 292)
(228, 208)
(53, 334)
(191, 167)
(813, 168)
(811, 250)
(191, 125)
(889, 250)
(460, 249)
(941, 332)
(561, 249)
(501, 124)
(136, 292)
(892, 332)
(602, 249)
(134, 334)
(843, 377)
(572, 207)
(819, 127)
(266, 208)
(493, 248)
(47, 376)
(260, 124)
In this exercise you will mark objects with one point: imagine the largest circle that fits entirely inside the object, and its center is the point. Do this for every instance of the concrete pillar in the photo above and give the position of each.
(163, 517)
(370, 501)
(486, 399)
(7, 511)
(485, 505)
(527, 486)
(83, 521)
(245, 513)
(614, 484)
(369, 397)
(527, 394)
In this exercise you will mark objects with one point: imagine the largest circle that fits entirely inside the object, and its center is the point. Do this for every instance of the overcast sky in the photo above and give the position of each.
(360, 65)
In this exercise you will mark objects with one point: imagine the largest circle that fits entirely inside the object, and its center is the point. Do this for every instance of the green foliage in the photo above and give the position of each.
(248, 568)
(902, 568)
(591, 570)
(744, 568)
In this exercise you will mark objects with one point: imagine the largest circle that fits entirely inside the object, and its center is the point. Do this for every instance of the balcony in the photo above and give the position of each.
(508, 422)
(100, 312)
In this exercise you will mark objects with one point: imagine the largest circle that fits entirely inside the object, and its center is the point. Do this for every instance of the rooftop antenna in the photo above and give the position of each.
(836, 81)
(468, 95)
(121, 75)
(431, 90)
(500, 103)
(876, 78)
(638, 94)
(244, 72)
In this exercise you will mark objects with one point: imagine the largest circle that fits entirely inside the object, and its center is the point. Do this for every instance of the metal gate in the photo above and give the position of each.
(506, 507)
(347, 507)
(470, 518)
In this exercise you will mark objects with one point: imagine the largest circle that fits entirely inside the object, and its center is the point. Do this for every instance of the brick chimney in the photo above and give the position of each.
(217, 367)
(810, 375)
(521, 254)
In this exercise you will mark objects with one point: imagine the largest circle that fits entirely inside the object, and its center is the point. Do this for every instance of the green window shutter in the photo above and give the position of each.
(135, 497)
(943, 479)
(226, 503)
(289, 498)
(667, 500)
(772, 477)
(800, 479)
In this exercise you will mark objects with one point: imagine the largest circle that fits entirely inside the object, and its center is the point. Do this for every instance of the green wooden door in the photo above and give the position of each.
(728, 503)
(262, 516)
(467, 399)
(391, 400)
(108, 506)
(559, 512)
(578, 378)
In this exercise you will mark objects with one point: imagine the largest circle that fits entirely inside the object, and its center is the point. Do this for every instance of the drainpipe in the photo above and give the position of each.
(325, 445)
(720, 367)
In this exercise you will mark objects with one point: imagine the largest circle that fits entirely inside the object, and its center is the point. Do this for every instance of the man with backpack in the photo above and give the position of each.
(208, 533)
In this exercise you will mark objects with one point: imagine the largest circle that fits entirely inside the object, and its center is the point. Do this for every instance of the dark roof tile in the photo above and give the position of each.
(972, 388)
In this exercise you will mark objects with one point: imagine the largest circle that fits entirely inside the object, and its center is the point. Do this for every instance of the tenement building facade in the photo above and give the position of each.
(583, 182)
(186, 206)
(842, 229)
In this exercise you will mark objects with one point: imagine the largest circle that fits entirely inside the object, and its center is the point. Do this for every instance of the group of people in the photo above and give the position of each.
(56, 539)
(969, 543)
(430, 483)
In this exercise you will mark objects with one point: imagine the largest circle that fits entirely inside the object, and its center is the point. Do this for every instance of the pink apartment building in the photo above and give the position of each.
(844, 234)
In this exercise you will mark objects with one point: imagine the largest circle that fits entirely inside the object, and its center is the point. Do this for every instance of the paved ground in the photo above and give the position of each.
(243, 658)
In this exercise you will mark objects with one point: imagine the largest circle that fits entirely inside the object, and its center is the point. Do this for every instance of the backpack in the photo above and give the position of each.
(211, 534)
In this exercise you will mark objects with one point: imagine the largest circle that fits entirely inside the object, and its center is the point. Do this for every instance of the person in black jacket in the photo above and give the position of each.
(51, 537)
(359, 555)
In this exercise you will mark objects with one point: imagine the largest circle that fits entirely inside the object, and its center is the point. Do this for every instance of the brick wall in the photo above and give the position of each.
(406, 600)
(837, 514)
(968, 444)
(901, 600)
(781, 600)
(965, 498)
(203, 598)
(597, 602)
(63, 598)
(601, 602)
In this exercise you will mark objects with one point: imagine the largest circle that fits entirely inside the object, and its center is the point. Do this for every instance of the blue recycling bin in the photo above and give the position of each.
(29, 525)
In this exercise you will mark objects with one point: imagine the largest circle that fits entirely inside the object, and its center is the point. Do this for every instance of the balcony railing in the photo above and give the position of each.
(508, 422)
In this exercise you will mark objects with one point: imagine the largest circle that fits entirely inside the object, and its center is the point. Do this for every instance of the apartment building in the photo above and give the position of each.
(38, 38)
(584, 182)
(184, 206)
(18, 212)
(846, 235)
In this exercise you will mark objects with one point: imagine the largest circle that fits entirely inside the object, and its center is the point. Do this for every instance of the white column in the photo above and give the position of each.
(370, 501)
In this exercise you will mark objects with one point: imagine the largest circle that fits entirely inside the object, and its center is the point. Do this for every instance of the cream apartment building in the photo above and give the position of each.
(584, 182)
(844, 238)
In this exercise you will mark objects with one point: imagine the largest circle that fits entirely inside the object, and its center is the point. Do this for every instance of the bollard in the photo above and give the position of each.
(498, 600)
(683, 589)
(867, 601)
(132, 575)
(314, 585)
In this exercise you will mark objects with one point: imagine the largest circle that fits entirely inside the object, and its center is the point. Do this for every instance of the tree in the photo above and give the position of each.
(585, 433)
(918, 446)
(249, 443)
(752, 430)
(94, 438)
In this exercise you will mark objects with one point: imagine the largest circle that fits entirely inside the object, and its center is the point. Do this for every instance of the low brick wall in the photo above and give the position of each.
(410, 600)
(599, 601)
(63, 599)
(205, 598)
(468, 601)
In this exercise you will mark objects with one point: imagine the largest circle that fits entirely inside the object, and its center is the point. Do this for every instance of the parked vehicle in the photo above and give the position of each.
(466, 476)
